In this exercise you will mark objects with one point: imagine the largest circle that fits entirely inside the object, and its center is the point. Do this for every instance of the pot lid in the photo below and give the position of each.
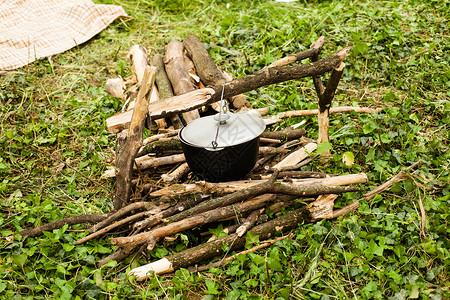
(231, 129)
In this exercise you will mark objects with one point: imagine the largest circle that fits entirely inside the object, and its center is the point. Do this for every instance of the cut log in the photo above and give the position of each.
(115, 88)
(178, 74)
(139, 62)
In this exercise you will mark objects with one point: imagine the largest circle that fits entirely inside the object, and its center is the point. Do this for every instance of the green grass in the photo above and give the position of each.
(53, 113)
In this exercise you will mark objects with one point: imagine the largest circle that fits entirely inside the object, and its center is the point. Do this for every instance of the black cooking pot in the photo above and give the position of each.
(222, 147)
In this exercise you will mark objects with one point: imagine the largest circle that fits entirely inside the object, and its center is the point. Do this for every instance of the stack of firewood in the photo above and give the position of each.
(177, 88)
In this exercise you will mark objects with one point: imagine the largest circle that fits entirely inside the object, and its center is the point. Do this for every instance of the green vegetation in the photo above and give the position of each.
(55, 146)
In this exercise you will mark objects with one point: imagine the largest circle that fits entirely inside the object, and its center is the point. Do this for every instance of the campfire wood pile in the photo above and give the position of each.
(158, 197)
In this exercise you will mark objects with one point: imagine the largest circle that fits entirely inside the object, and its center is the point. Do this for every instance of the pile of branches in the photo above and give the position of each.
(149, 207)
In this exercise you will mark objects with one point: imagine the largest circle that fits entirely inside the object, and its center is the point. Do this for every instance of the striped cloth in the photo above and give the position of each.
(32, 29)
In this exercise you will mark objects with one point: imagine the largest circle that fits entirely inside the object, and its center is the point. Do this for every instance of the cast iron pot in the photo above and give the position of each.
(222, 148)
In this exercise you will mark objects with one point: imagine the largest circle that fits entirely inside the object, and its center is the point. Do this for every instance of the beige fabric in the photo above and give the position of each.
(31, 29)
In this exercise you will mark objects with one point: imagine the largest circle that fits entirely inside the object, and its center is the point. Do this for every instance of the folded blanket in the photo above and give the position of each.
(31, 29)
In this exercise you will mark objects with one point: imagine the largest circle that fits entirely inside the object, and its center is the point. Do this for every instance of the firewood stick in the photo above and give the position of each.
(272, 150)
(272, 119)
(285, 134)
(146, 162)
(262, 245)
(154, 97)
(155, 138)
(269, 141)
(241, 85)
(164, 85)
(370, 195)
(176, 174)
(179, 207)
(125, 158)
(225, 188)
(293, 174)
(209, 250)
(111, 227)
(315, 49)
(81, 219)
(325, 103)
(205, 66)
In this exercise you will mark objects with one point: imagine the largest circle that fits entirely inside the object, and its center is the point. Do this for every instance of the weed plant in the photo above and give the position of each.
(55, 147)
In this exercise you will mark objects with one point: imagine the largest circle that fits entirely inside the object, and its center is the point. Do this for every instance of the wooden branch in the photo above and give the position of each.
(178, 74)
(294, 175)
(123, 211)
(250, 221)
(370, 195)
(155, 138)
(225, 188)
(179, 207)
(238, 86)
(325, 104)
(311, 112)
(301, 188)
(262, 245)
(146, 162)
(125, 158)
(81, 219)
(315, 49)
(285, 134)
